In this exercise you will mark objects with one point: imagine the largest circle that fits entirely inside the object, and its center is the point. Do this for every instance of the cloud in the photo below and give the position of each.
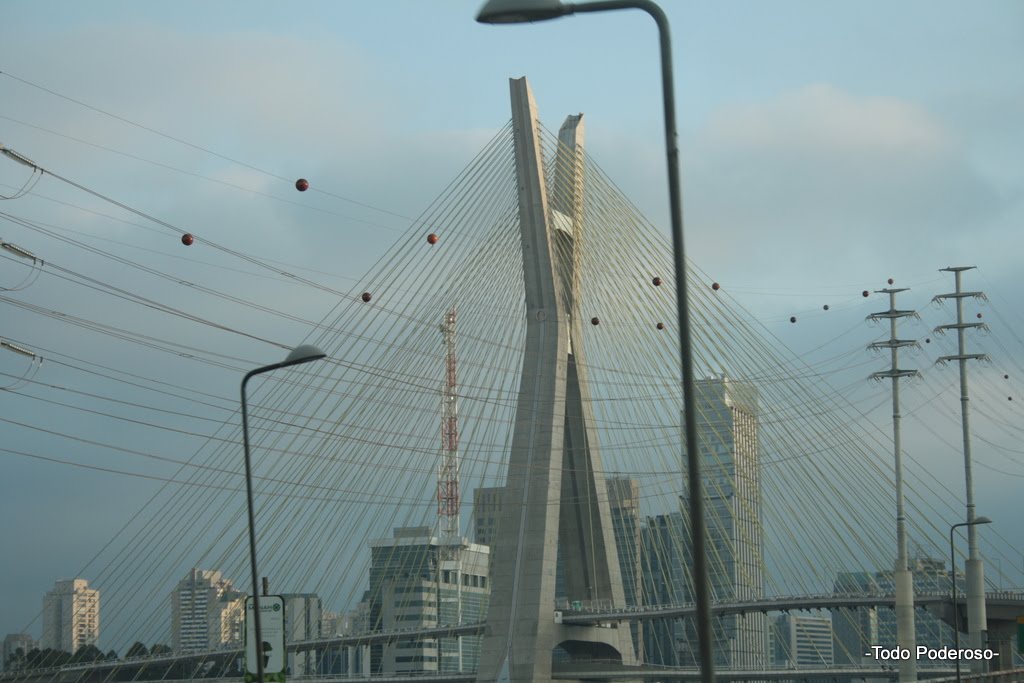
(822, 119)
(827, 179)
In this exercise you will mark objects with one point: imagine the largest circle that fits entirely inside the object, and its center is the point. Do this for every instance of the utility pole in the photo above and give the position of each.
(976, 618)
(448, 496)
(905, 634)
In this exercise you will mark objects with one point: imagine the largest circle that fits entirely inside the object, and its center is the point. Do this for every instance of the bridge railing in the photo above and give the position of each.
(1008, 676)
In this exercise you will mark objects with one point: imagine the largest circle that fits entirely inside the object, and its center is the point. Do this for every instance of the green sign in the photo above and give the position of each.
(1020, 635)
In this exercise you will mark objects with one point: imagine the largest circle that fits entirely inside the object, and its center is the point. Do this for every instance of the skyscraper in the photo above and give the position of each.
(624, 505)
(857, 629)
(802, 641)
(303, 620)
(727, 414)
(486, 513)
(206, 612)
(413, 585)
(663, 578)
(226, 619)
(71, 616)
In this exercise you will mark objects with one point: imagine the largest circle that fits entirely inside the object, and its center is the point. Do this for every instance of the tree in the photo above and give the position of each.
(46, 658)
(88, 653)
(16, 660)
(137, 650)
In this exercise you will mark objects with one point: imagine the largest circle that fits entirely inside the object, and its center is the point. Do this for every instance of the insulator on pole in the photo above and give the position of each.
(18, 251)
(16, 348)
(20, 158)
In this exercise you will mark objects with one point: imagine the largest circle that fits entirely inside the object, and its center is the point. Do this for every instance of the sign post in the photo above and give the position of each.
(272, 628)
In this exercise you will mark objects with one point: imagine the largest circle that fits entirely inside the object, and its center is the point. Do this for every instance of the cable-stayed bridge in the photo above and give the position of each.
(568, 435)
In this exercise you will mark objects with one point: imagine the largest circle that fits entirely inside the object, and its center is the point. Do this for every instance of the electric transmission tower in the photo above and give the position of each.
(905, 633)
(976, 617)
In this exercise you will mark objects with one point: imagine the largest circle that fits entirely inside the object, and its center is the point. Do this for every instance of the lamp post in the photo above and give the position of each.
(952, 581)
(520, 11)
(300, 354)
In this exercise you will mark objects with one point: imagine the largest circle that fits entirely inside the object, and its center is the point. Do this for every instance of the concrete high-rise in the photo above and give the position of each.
(624, 506)
(486, 513)
(71, 616)
(303, 620)
(206, 612)
(226, 620)
(727, 428)
(414, 583)
(663, 577)
(857, 629)
(802, 641)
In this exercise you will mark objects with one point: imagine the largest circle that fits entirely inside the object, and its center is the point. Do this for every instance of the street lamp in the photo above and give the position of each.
(300, 354)
(520, 11)
(952, 581)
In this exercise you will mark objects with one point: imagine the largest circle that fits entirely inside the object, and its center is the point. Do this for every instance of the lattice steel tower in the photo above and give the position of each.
(448, 496)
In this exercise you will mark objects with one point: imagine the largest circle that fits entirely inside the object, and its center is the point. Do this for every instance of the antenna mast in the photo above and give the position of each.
(448, 496)
(448, 470)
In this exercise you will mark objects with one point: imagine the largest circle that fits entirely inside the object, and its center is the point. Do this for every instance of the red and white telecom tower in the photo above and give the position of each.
(448, 469)
(448, 497)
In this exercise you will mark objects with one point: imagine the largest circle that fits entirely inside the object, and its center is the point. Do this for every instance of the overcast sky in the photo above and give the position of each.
(825, 148)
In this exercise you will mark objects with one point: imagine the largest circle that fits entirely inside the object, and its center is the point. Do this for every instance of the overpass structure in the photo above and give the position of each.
(1002, 608)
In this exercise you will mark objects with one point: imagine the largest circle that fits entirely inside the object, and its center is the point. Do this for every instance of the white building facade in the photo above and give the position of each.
(207, 613)
(71, 616)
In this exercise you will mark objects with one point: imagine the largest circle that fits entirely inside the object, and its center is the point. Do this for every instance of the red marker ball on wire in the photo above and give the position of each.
(432, 238)
(187, 239)
(792, 319)
(301, 184)
(594, 321)
(715, 286)
(864, 294)
(656, 282)
(366, 296)
(660, 326)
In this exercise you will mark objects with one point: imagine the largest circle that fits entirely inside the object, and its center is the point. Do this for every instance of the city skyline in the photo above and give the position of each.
(407, 586)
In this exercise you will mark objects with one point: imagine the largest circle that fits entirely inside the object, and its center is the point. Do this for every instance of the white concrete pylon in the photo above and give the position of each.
(555, 453)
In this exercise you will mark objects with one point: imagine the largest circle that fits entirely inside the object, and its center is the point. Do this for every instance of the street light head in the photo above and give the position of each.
(304, 354)
(981, 520)
(520, 11)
